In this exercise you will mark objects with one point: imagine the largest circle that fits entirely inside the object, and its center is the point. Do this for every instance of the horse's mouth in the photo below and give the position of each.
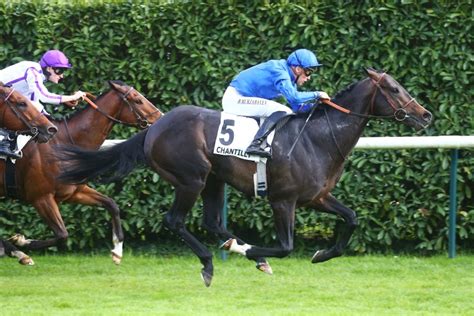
(418, 124)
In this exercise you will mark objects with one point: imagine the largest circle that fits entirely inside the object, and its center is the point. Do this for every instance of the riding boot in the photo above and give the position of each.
(5, 145)
(257, 147)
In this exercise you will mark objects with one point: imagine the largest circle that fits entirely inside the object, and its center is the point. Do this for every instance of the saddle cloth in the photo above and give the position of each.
(235, 134)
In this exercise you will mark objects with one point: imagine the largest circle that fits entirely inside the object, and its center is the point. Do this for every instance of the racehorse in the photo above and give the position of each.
(36, 172)
(179, 147)
(18, 114)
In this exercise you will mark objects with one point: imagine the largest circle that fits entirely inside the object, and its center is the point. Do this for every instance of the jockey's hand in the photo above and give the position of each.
(72, 103)
(79, 95)
(323, 95)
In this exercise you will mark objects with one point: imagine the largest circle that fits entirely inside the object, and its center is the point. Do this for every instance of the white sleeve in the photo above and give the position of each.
(35, 84)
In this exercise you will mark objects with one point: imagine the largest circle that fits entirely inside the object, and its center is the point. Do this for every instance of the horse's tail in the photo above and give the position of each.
(106, 165)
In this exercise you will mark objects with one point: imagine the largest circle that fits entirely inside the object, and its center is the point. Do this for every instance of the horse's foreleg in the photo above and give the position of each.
(329, 204)
(88, 196)
(185, 197)
(49, 211)
(213, 202)
(284, 216)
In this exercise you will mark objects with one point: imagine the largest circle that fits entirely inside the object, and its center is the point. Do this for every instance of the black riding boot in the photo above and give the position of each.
(5, 146)
(257, 146)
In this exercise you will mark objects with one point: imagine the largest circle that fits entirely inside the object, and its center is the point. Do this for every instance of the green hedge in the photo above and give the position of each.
(187, 52)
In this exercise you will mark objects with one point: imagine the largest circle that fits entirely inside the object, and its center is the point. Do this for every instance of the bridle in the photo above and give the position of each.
(142, 119)
(399, 114)
(31, 129)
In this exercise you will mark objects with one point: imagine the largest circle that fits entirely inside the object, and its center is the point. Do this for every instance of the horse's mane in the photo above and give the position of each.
(345, 90)
(81, 109)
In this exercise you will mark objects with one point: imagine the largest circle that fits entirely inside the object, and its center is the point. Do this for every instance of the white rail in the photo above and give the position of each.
(396, 142)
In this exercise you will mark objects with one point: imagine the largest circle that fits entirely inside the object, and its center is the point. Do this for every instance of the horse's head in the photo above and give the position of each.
(19, 114)
(390, 98)
(140, 111)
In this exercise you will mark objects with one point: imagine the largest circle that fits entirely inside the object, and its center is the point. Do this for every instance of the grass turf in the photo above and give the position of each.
(167, 285)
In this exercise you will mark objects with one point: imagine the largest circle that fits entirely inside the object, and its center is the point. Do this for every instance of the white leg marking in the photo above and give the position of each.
(241, 249)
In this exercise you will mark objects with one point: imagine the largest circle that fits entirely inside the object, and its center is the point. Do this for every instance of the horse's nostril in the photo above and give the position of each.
(52, 130)
(427, 116)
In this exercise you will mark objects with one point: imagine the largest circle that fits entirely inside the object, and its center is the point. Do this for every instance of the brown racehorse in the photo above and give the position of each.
(88, 128)
(179, 147)
(19, 115)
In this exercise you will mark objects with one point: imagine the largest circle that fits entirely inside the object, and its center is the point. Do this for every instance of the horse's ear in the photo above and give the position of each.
(372, 73)
(112, 84)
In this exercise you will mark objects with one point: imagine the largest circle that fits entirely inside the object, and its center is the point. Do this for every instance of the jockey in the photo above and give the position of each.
(251, 93)
(27, 77)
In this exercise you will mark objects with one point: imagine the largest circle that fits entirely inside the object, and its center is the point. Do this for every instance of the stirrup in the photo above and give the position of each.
(257, 151)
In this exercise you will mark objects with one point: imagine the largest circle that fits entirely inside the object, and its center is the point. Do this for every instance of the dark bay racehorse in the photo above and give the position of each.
(179, 147)
(88, 128)
(19, 115)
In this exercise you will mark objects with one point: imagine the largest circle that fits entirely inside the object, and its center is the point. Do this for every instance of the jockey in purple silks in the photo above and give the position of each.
(27, 77)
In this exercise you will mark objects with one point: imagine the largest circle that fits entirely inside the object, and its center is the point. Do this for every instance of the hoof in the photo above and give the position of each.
(206, 277)
(26, 261)
(116, 258)
(264, 267)
(228, 244)
(318, 256)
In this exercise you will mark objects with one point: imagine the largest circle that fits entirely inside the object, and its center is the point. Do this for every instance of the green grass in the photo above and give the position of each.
(167, 285)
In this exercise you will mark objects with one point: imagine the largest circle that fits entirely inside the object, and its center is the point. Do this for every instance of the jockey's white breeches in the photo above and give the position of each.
(233, 102)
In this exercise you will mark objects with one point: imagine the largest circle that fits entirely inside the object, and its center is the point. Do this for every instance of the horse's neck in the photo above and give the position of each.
(89, 128)
(346, 129)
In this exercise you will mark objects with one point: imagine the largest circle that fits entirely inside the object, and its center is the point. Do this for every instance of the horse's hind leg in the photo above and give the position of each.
(185, 197)
(88, 196)
(329, 204)
(49, 211)
(7, 248)
(213, 202)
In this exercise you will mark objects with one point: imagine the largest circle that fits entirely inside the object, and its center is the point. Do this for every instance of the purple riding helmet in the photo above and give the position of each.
(54, 58)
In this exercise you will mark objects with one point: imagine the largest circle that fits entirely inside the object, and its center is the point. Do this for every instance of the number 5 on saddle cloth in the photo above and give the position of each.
(234, 135)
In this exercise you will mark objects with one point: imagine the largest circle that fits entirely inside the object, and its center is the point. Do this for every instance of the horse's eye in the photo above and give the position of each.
(21, 105)
(395, 90)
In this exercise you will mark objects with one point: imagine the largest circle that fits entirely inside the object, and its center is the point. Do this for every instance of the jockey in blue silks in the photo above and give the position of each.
(27, 77)
(251, 93)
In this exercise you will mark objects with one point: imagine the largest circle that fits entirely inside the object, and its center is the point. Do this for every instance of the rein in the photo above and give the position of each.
(142, 119)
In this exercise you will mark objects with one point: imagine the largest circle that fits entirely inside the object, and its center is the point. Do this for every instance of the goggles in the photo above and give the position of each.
(309, 71)
(58, 71)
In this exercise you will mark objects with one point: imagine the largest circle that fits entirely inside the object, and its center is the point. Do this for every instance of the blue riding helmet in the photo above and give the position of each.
(303, 58)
